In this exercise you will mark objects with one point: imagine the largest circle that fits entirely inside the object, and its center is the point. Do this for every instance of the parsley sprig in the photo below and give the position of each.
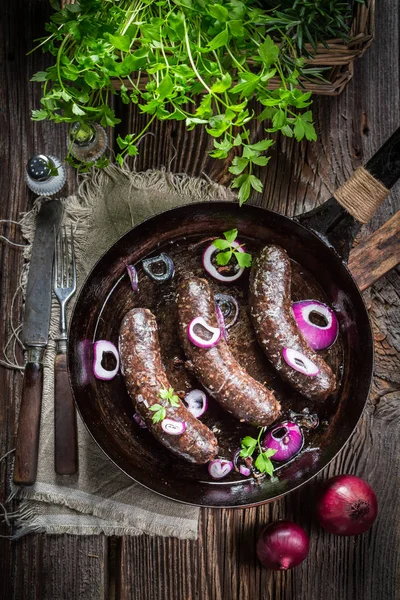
(169, 397)
(263, 461)
(199, 61)
(228, 250)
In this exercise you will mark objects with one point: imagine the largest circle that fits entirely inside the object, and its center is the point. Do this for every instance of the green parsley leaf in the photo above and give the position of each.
(39, 76)
(220, 40)
(219, 12)
(221, 244)
(244, 259)
(263, 463)
(224, 257)
(169, 396)
(39, 115)
(248, 446)
(268, 51)
(159, 413)
(231, 235)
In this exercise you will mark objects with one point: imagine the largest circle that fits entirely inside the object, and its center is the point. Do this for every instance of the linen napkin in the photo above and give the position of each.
(100, 498)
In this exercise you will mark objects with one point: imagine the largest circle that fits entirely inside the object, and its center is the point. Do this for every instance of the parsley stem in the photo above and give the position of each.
(262, 429)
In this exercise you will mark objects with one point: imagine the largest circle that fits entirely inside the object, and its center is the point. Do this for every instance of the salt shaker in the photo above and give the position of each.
(45, 175)
(87, 141)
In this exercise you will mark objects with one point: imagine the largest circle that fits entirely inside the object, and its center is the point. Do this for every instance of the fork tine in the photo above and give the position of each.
(55, 270)
(73, 260)
(65, 257)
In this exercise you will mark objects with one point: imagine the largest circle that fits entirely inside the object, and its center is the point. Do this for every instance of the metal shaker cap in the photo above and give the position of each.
(40, 167)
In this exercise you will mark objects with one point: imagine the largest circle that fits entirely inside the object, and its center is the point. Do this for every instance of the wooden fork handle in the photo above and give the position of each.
(27, 445)
(65, 430)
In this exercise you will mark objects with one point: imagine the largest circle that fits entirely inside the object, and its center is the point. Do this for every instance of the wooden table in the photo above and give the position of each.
(221, 565)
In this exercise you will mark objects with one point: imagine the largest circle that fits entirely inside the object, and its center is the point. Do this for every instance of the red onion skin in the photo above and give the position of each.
(346, 505)
(285, 447)
(282, 545)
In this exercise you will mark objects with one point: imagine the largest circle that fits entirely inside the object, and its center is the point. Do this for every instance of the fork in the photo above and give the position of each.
(65, 430)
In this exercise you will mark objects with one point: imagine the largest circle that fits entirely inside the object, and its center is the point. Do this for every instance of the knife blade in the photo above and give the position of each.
(35, 332)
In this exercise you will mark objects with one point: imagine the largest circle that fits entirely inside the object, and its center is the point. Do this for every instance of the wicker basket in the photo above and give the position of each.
(338, 57)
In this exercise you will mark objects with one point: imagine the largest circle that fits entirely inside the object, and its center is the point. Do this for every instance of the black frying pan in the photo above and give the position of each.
(318, 244)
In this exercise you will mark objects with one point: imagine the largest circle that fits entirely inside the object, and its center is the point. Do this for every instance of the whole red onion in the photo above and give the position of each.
(282, 545)
(346, 505)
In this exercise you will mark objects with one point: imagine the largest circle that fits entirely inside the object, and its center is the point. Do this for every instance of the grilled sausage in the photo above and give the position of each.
(216, 368)
(276, 327)
(145, 377)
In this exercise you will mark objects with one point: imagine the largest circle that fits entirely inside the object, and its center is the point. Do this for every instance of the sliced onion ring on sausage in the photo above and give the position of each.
(196, 402)
(100, 348)
(213, 271)
(229, 308)
(300, 362)
(318, 337)
(173, 427)
(133, 276)
(200, 341)
(220, 468)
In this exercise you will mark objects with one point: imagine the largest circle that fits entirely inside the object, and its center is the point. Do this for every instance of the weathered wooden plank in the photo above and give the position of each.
(377, 254)
(60, 567)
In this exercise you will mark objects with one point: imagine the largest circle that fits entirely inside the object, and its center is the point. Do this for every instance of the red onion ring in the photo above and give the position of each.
(213, 271)
(173, 427)
(286, 438)
(99, 349)
(244, 470)
(221, 322)
(223, 300)
(169, 268)
(199, 341)
(197, 403)
(318, 337)
(133, 276)
(219, 468)
(299, 362)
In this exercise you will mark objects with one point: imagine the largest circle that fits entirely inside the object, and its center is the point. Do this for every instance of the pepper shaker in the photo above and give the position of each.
(87, 142)
(45, 175)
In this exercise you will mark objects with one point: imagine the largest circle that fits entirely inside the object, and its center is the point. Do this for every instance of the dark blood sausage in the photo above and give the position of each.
(275, 325)
(145, 376)
(216, 368)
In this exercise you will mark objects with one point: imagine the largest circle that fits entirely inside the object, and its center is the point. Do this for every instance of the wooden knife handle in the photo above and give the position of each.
(27, 445)
(65, 431)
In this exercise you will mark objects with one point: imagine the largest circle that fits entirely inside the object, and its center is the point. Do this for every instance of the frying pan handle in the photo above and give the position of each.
(339, 219)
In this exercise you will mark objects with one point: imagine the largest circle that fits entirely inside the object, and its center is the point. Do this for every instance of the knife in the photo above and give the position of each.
(34, 335)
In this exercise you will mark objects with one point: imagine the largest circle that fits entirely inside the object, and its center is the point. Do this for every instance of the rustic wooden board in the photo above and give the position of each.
(221, 564)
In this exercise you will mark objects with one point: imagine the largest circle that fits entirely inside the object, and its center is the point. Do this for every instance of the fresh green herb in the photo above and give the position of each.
(228, 250)
(169, 397)
(262, 462)
(160, 412)
(193, 60)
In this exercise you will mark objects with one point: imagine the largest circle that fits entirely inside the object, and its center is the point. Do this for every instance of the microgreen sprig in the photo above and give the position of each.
(263, 461)
(169, 398)
(228, 250)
